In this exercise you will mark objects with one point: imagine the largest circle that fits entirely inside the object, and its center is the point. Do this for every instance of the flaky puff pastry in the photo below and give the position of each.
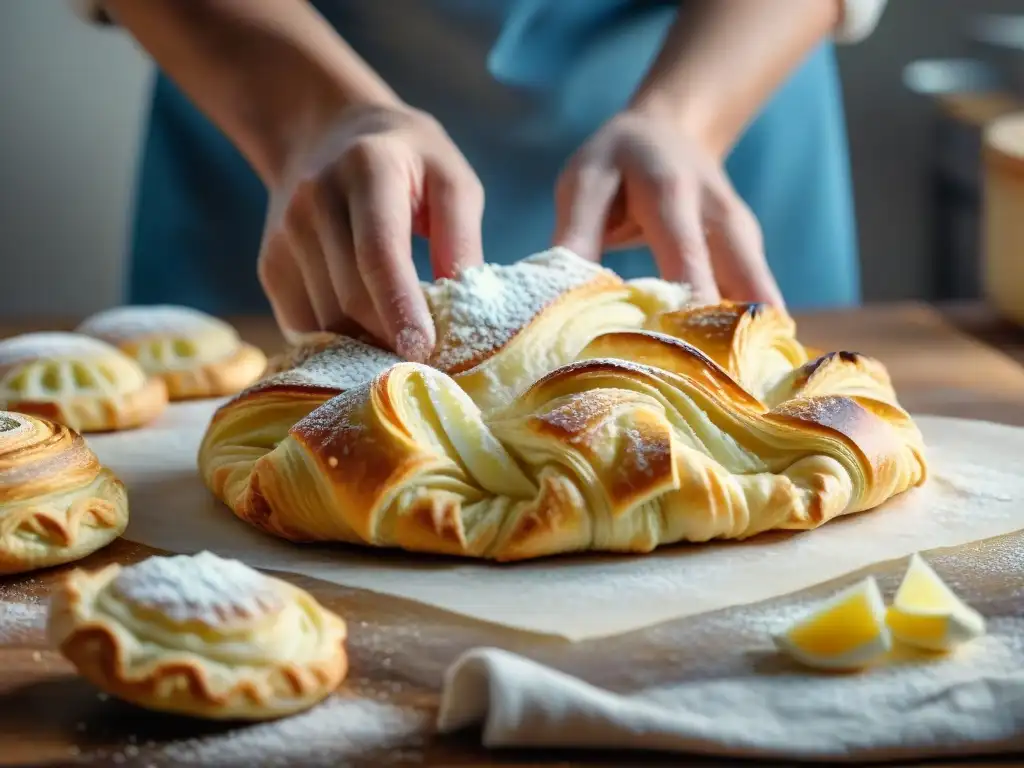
(79, 381)
(195, 354)
(199, 635)
(499, 329)
(57, 503)
(644, 441)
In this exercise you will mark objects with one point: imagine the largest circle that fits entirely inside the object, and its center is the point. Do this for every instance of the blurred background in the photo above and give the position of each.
(73, 100)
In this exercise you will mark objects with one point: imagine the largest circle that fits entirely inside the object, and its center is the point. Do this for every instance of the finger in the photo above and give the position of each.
(309, 251)
(456, 206)
(671, 221)
(381, 218)
(583, 198)
(737, 253)
(359, 315)
(282, 281)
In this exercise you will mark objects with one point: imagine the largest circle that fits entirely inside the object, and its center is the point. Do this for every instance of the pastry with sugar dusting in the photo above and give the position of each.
(199, 635)
(563, 410)
(57, 502)
(196, 355)
(76, 380)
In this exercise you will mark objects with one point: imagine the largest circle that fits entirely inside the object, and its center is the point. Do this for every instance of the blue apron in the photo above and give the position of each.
(519, 85)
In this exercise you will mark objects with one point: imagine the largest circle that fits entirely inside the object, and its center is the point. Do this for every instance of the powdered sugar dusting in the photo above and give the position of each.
(485, 307)
(341, 364)
(46, 345)
(122, 324)
(574, 415)
(827, 410)
(202, 587)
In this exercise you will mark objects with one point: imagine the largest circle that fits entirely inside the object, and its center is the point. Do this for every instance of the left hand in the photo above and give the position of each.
(639, 180)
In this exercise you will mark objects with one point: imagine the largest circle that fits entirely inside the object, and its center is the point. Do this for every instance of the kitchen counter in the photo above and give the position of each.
(943, 361)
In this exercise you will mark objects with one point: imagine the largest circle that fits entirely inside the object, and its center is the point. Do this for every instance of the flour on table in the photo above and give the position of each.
(322, 736)
(20, 622)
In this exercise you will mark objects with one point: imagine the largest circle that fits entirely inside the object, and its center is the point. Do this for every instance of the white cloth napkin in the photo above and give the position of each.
(970, 703)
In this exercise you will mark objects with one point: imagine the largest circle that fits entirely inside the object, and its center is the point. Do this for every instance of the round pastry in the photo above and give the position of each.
(199, 635)
(195, 354)
(77, 380)
(57, 504)
(564, 410)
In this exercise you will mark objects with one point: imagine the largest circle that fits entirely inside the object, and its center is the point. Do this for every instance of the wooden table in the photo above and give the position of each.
(399, 649)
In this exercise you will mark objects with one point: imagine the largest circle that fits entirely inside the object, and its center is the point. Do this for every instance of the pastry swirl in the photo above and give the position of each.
(201, 636)
(196, 355)
(57, 503)
(611, 419)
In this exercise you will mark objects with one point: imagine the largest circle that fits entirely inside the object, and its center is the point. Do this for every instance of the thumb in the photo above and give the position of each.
(583, 199)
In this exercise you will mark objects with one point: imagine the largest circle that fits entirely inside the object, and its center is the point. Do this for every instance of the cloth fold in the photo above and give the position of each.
(914, 707)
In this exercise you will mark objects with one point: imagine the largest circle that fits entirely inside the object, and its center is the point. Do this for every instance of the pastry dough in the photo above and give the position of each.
(57, 504)
(77, 380)
(564, 410)
(195, 354)
(199, 635)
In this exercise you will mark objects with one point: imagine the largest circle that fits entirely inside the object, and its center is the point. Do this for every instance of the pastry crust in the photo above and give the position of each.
(195, 354)
(201, 636)
(594, 415)
(79, 381)
(57, 503)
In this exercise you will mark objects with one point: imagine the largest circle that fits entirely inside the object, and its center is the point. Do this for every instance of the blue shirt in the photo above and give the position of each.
(519, 85)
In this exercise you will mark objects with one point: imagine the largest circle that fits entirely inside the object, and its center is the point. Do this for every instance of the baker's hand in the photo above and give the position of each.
(337, 251)
(640, 180)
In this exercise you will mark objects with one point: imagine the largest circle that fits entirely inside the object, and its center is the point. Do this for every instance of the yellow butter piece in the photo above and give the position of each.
(847, 632)
(927, 614)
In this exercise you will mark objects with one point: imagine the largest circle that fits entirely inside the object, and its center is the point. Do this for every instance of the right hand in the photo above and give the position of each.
(337, 249)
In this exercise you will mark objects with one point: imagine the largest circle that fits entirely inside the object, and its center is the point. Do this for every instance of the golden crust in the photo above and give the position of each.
(612, 419)
(271, 651)
(57, 503)
(194, 354)
(75, 380)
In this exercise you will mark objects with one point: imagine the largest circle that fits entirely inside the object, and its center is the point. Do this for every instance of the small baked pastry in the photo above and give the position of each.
(57, 503)
(76, 380)
(195, 354)
(199, 635)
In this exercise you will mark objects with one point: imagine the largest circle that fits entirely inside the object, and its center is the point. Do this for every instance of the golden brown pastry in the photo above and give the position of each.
(199, 635)
(76, 380)
(195, 354)
(610, 419)
(57, 504)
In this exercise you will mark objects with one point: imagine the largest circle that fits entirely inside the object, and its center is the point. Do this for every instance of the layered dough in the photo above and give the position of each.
(199, 635)
(564, 410)
(194, 354)
(76, 380)
(57, 503)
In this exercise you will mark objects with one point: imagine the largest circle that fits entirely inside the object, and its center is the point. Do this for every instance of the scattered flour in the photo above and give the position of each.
(21, 622)
(325, 735)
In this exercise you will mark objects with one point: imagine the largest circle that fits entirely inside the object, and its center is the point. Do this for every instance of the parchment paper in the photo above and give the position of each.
(976, 491)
